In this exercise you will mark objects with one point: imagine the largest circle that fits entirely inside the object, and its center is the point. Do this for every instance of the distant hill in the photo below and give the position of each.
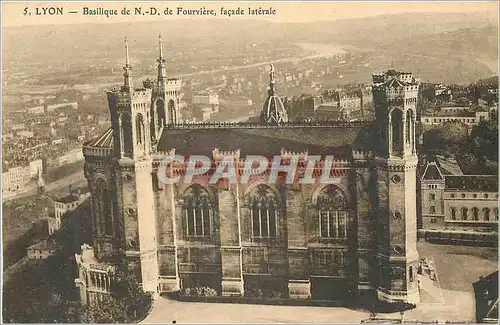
(476, 41)
(48, 40)
(460, 56)
(384, 29)
(462, 37)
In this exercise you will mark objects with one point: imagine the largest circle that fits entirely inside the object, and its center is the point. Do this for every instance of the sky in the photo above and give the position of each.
(286, 11)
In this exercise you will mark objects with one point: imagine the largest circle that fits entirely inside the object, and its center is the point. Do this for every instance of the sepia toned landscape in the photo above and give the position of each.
(387, 119)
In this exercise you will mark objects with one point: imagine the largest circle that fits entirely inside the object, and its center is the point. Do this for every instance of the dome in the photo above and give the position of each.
(274, 111)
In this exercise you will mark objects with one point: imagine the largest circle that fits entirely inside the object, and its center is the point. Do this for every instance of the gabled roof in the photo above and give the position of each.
(394, 82)
(432, 172)
(104, 141)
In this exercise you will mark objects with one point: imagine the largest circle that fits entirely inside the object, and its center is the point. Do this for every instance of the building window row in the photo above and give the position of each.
(473, 214)
(331, 207)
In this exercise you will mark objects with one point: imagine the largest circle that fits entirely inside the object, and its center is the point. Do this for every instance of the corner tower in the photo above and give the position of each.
(164, 106)
(132, 179)
(395, 99)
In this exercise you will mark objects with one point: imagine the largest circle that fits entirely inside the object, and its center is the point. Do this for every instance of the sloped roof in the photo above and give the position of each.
(104, 141)
(68, 199)
(394, 82)
(266, 141)
(486, 290)
(432, 172)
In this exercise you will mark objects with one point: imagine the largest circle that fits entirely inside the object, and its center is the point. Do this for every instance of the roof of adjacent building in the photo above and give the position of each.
(68, 199)
(432, 172)
(43, 245)
(452, 114)
(448, 167)
(486, 290)
(336, 139)
(104, 141)
(485, 183)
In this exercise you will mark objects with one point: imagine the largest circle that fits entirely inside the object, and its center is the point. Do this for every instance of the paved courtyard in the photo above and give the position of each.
(165, 311)
(450, 297)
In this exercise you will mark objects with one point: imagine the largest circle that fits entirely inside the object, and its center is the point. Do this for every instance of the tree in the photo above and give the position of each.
(126, 289)
(126, 304)
(109, 310)
(445, 140)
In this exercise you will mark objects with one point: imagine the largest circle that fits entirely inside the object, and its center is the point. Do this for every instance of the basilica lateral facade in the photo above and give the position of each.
(355, 238)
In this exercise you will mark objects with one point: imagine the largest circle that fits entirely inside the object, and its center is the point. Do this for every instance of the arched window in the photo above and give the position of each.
(409, 126)
(104, 218)
(453, 213)
(152, 123)
(397, 131)
(197, 210)
(160, 112)
(332, 212)
(126, 133)
(264, 207)
(475, 213)
(171, 112)
(486, 214)
(464, 213)
(139, 129)
(495, 211)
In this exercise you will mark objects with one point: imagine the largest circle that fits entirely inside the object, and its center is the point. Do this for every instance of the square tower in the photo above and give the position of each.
(395, 99)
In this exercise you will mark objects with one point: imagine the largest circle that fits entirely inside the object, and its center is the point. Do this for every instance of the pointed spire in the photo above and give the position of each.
(127, 57)
(127, 82)
(161, 46)
(162, 75)
(272, 87)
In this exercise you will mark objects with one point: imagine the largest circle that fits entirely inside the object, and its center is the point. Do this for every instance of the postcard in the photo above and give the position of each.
(250, 162)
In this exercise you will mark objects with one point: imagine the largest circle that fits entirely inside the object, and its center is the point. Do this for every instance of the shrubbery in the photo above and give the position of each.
(259, 293)
(199, 292)
(128, 303)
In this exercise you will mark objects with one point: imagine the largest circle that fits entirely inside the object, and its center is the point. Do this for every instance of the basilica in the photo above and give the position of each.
(353, 239)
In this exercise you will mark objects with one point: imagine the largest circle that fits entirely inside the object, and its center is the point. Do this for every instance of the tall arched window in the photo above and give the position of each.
(495, 211)
(453, 213)
(464, 213)
(332, 213)
(197, 209)
(397, 131)
(152, 125)
(486, 214)
(160, 112)
(104, 218)
(126, 133)
(139, 129)
(171, 111)
(409, 126)
(264, 207)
